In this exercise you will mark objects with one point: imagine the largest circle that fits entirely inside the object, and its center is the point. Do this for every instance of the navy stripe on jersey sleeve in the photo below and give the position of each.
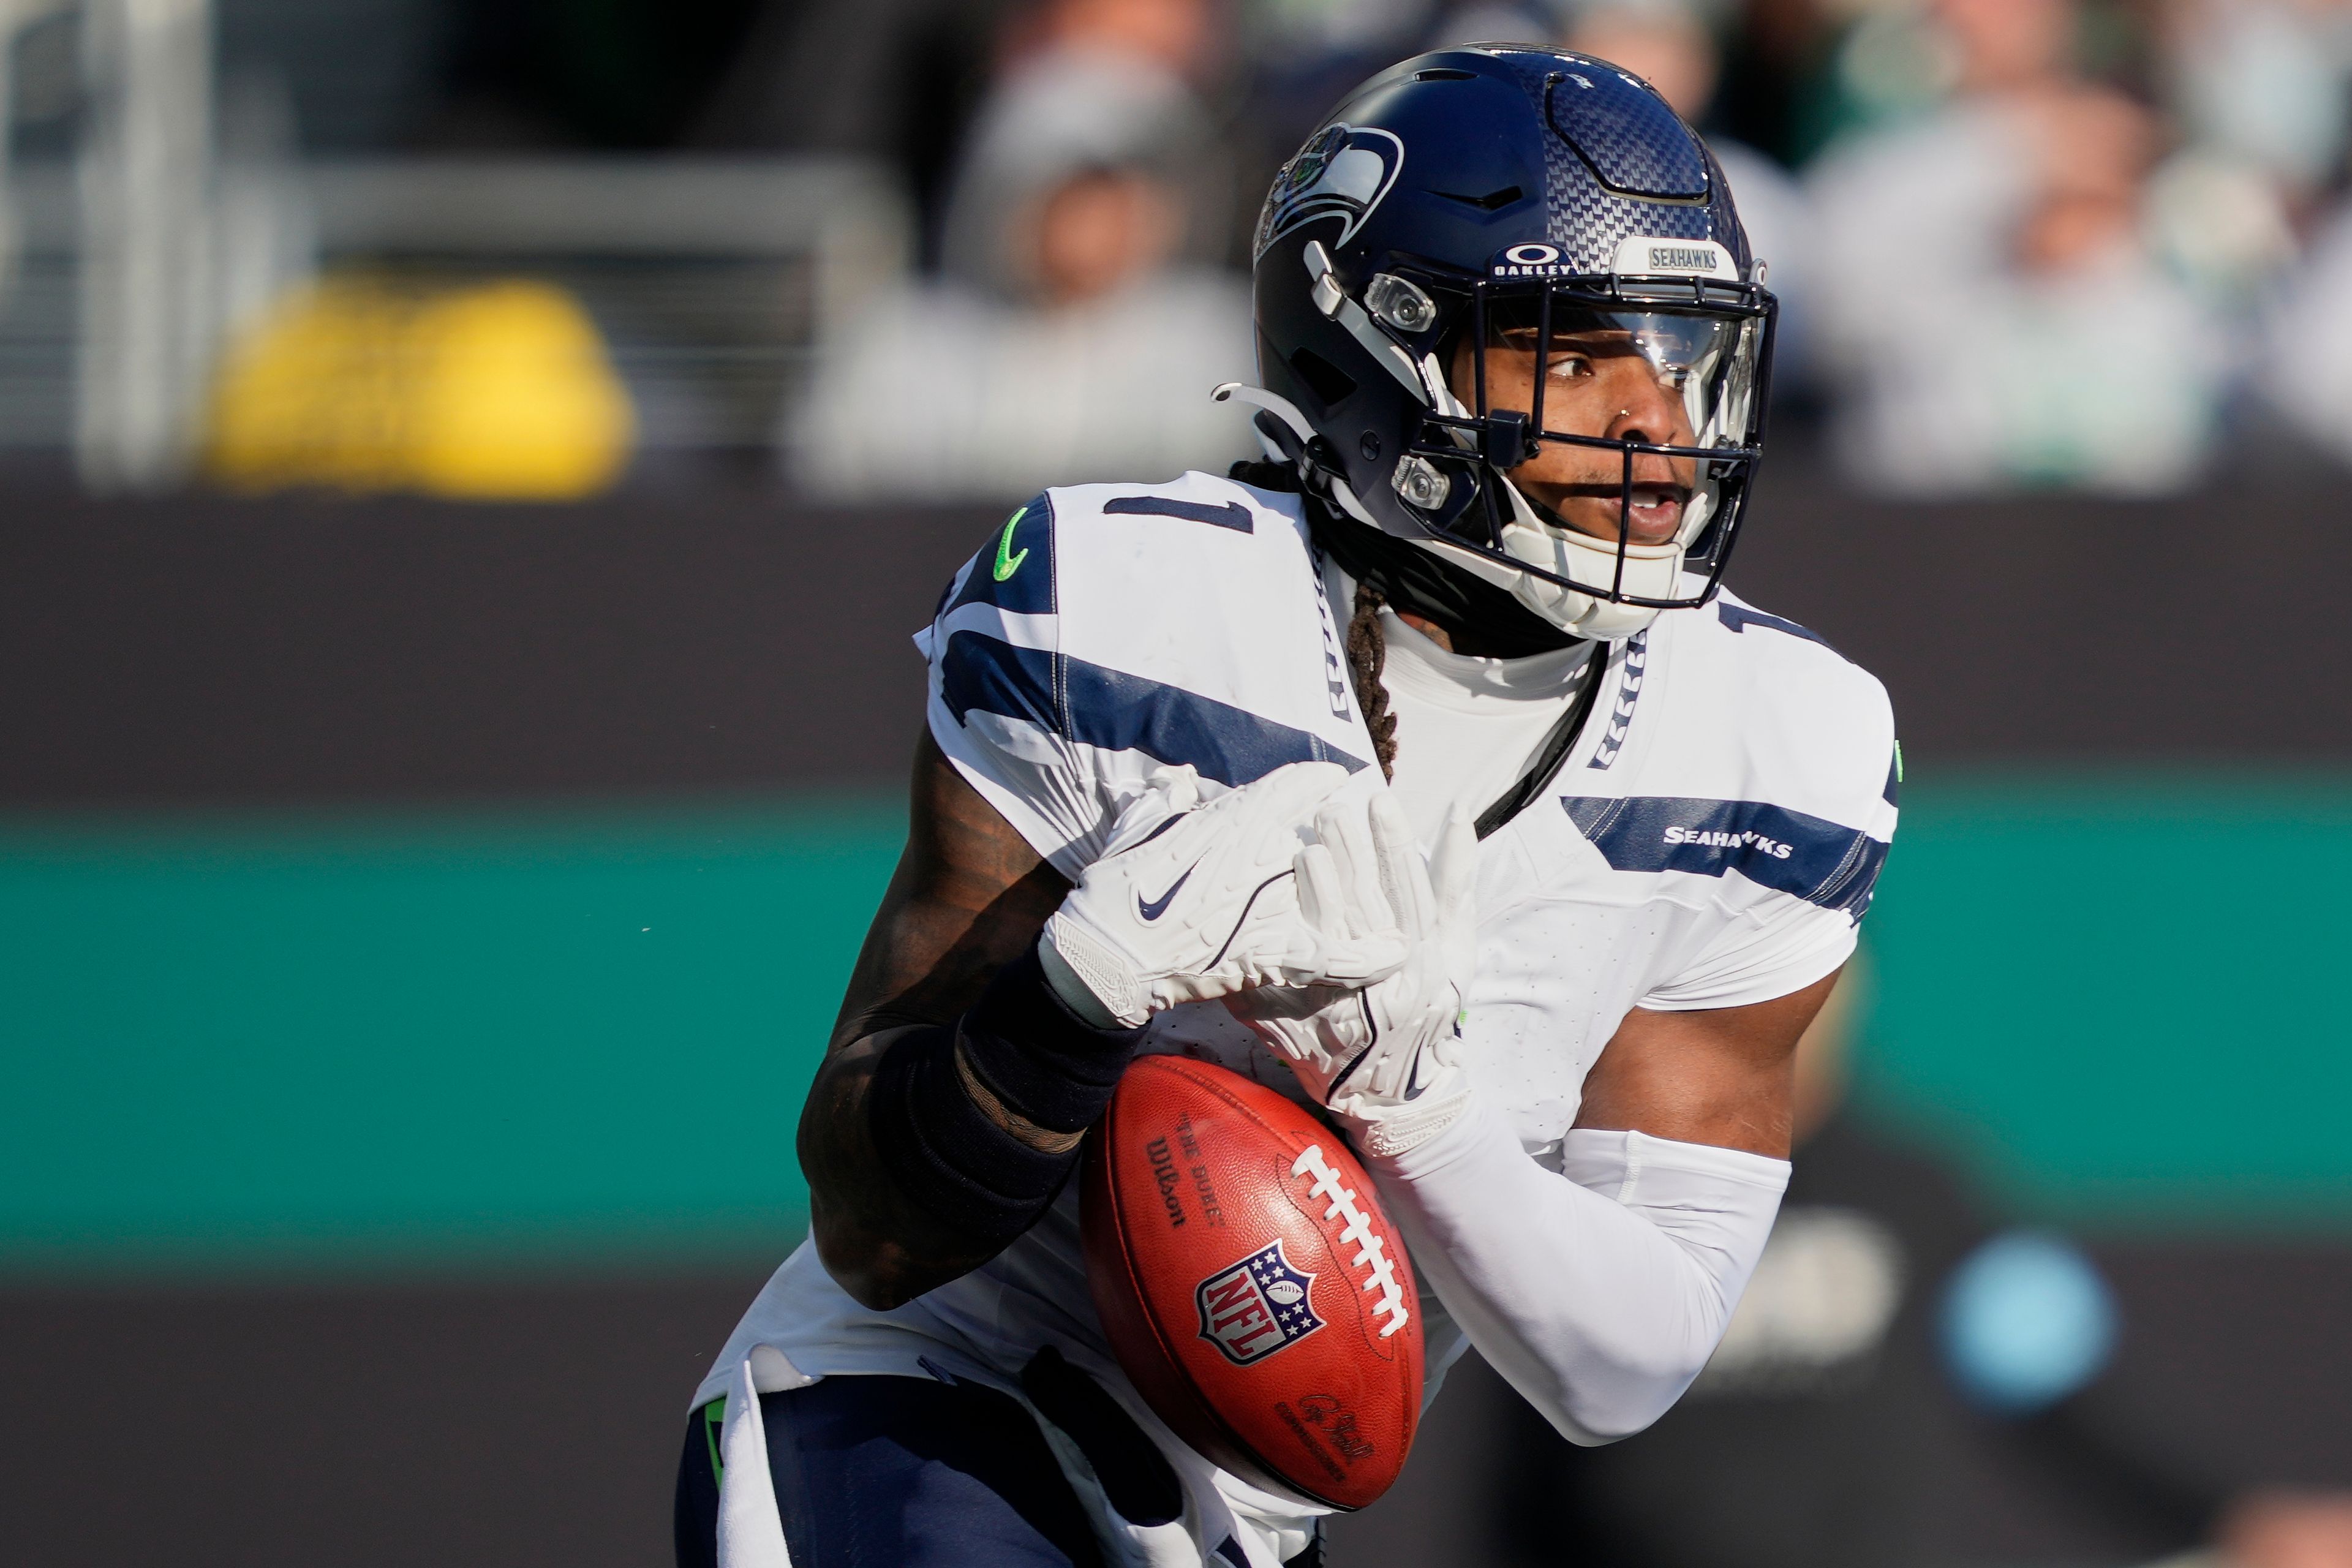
(994, 676)
(1739, 617)
(1813, 859)
(1225, 514)
(1092, 705)
(1014, 570)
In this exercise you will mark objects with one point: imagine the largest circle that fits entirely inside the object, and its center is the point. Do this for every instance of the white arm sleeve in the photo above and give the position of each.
(1597, 1294)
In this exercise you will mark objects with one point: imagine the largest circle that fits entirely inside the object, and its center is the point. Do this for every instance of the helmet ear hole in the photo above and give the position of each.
(1329, 383)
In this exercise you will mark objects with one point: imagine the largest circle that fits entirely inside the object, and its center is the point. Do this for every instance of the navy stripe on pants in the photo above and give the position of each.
(897, 1472)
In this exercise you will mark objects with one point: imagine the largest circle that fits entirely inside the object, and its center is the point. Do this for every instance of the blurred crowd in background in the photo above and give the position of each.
(2101, 245)
(2019, 243)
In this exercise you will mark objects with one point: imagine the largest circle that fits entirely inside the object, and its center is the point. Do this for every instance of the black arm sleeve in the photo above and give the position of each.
(1041, 1062)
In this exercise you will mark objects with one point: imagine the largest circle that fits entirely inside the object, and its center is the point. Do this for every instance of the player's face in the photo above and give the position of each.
(1616, 382)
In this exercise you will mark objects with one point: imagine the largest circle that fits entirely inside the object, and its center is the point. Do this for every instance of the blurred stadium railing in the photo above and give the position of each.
(708, 280)
(176, 226)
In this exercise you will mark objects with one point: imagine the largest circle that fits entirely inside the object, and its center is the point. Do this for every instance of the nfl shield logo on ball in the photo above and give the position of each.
(1256, 1307)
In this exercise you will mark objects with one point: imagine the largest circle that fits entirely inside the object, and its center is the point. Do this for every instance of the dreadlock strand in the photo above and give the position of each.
(1367, 654)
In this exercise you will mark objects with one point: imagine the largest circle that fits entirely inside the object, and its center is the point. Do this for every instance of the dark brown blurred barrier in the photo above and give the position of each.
(206, 649)
(468, 1425)
(384, 1426)
(2208, 628)
(217, 650)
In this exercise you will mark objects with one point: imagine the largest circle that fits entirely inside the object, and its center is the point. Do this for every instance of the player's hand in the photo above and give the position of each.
(1196, 901)
(1385, 1059)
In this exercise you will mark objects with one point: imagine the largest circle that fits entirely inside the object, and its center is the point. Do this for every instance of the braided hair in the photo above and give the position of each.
(1368, 653)
(1368, 644)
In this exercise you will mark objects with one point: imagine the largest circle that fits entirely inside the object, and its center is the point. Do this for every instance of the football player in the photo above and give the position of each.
(1423, 770)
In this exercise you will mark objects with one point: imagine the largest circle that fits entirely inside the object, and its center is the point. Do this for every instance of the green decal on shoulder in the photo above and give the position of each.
(1007, 562)
(1898, 762)
(714, 1417)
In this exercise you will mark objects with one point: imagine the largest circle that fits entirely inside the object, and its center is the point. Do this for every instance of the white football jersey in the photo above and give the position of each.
(1711, 839)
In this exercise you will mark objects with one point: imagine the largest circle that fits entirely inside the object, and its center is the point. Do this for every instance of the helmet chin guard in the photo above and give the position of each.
(1550, 563)
(1548, 212)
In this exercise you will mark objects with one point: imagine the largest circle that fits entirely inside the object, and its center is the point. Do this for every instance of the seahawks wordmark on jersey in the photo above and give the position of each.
(1711, 840)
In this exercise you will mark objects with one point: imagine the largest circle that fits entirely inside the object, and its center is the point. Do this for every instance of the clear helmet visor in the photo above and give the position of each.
(1591, 441)
(1635, 419)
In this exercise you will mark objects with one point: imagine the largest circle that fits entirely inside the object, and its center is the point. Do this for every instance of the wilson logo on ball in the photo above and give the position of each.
(1257, 1307)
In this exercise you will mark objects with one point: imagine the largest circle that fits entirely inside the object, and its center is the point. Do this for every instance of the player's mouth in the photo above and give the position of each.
(1653, 512)
(1649, 512)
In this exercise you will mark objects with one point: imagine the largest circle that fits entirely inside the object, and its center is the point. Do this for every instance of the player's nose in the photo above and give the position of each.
(1647, 409)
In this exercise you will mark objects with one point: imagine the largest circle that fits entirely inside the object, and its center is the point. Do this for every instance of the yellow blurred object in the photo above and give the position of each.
(500, 391)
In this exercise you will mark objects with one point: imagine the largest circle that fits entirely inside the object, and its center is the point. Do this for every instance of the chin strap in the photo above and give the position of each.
(1288, 437)
(1451, 584)
(1425, 579)
(1285, 414)
(1561, 739)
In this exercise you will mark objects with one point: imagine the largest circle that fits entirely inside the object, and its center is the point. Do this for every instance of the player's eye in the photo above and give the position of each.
(1570, 366)
(1674, 377)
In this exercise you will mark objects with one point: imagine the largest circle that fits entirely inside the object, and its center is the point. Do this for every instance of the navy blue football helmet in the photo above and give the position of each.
(1550, 206)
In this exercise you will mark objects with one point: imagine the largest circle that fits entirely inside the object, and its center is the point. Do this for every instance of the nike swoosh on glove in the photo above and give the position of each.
(1385, 1060)
(1204, 900)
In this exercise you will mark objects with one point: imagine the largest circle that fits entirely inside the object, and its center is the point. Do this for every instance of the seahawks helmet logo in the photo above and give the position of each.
(1342, 172)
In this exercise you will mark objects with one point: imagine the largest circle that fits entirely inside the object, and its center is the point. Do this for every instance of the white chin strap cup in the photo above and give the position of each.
(1652, 570)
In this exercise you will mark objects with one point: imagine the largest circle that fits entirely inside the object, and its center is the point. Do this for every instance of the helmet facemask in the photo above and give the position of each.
(1608, 446)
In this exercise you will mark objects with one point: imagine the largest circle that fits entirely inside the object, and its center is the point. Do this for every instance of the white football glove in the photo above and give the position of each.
(1200, 901)
(1385, 1059)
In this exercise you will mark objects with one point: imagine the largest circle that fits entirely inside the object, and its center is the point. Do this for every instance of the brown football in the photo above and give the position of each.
(1252, 1288)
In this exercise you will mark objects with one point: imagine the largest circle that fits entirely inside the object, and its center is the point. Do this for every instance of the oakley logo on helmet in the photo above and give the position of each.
(1531, 260)
(1343, 172)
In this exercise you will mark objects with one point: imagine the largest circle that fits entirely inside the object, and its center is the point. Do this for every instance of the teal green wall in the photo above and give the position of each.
(542, 1037)
(411, 1038)
(2121, 997)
